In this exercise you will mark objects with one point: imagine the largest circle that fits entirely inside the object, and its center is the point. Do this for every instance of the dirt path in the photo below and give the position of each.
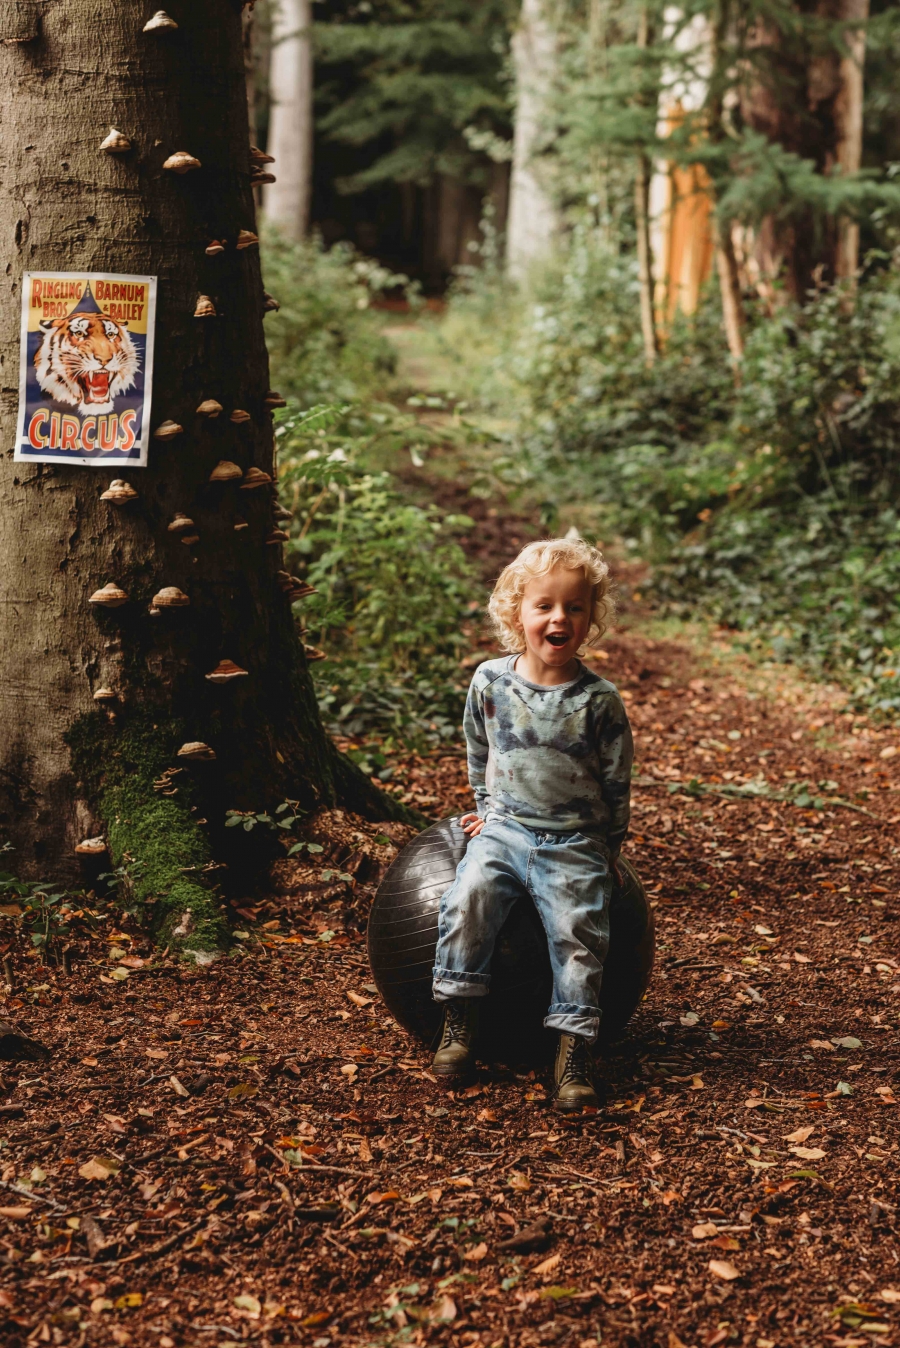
(254, 1153)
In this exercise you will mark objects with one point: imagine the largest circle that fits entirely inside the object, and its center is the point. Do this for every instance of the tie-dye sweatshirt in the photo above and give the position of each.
(557, 759)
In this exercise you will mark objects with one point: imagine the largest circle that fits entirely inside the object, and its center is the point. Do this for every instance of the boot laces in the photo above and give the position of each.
(577, 1064)
(456, 1024)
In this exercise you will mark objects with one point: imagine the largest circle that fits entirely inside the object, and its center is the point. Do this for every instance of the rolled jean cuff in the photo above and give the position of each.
(569, 1018)
(448, 984)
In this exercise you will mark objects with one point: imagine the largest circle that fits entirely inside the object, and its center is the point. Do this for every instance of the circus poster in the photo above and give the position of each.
(86, 369)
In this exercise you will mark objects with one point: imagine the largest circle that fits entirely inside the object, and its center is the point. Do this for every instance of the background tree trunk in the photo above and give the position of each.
(532, 224)
(287, 201)
(642, 227)
(848, 111)
(65, 206)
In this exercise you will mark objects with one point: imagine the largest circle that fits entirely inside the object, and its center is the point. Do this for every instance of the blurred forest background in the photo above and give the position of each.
(644, 264)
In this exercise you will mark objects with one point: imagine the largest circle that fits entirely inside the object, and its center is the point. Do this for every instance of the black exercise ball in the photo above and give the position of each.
(402, 937)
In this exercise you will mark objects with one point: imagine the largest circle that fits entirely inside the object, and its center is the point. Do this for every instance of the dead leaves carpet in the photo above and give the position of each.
(254, 1153)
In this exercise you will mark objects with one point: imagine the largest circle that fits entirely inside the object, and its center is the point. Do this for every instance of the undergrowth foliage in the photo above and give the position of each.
(770, 506)
(393, 585)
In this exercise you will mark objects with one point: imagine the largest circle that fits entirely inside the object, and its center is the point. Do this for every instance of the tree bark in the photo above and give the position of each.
(532, 224)
(642, 226)
(287, 201)
(65, 206)
(848, 112)
(730, 291)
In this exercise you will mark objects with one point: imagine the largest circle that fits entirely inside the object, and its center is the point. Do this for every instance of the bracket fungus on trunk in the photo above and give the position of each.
(110, 596)
(91, 847)
(277, 536)
(167, 430)
(258, 177)
(239, 416)
(209, 408)
(225, 471)
(240, 524)
(160, 23)
(119, 492)
(297, 589)
(180, 524)
(225, 671)
(115, 142)
(258, 156)
(205, 307)
(270, 304)
(214, 248)
(246, 239)
(104, 695)
(274, 399)
(313, 653)
(281, 512)
(255, 477)
(181, 162)
(196, 751)
(171, 597)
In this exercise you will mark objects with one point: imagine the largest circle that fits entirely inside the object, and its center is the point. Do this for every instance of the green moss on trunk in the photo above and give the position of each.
(153, 838)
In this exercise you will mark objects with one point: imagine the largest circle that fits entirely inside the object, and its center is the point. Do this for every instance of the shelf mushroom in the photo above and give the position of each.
(239, 416)
(225, 671)
(181, 162)
(170, 597)
(258, 156)
(258, 177)
(255, 477)
(110, 596)
(282, 513)
(246, 239)
(313, 653)
(274, 399)
(167, 430)
(225, 471)
(180, 524)
(205, 307)
(240, 524)
(197, 752)
(116, 142)
(91, 847)
(214, 248)
(119, 493)
(277, 536)
(160, 23)
(270, 304)
(104, 695)
(209, 408)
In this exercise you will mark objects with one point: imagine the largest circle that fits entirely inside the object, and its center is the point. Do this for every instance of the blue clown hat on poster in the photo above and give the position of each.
(87, 304)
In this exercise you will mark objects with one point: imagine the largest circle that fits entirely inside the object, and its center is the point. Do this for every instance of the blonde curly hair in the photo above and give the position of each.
(536, 559)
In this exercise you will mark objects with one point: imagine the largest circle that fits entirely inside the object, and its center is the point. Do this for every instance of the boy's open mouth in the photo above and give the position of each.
(557, 638)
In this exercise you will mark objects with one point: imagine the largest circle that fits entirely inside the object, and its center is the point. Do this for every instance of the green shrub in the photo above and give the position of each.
(325, 342)
(394, 588)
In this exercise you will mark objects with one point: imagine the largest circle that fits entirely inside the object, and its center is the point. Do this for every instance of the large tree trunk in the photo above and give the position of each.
(532, 224)
(287, 201)
(65, 206)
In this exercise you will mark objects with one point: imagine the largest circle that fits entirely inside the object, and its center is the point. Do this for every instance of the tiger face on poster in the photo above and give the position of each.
(86, 369)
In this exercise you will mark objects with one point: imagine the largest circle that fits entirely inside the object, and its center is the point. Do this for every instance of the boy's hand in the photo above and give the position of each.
(471, 824)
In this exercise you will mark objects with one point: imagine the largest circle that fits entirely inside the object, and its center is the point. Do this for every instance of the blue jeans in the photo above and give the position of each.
(569, 878)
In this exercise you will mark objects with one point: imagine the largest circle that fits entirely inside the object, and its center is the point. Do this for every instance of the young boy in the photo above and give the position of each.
(549, 756)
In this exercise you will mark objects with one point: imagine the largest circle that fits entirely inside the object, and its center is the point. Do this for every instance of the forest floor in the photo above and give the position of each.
(254, 1152)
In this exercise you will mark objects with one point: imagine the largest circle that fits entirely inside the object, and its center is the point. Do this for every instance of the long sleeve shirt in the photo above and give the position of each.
(557, 758)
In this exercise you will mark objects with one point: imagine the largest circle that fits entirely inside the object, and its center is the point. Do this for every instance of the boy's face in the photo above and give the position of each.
(555, 615)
